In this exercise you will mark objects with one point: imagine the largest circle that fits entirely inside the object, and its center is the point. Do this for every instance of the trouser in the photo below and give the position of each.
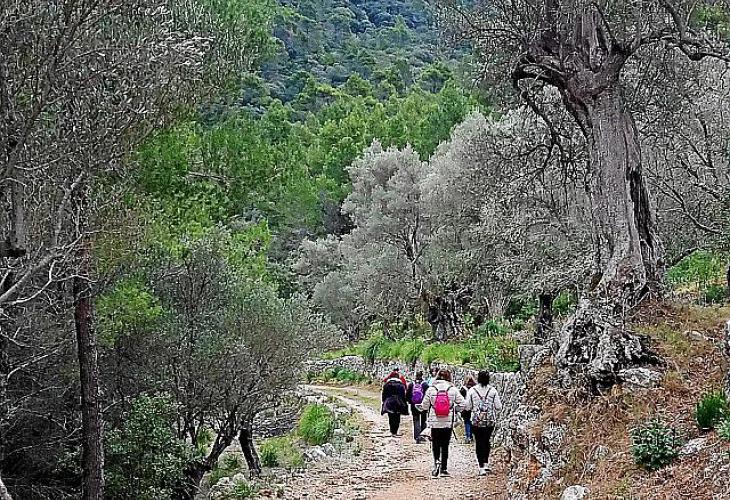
(394, 422)
(419, 423)
(467, 426)
(483, 440)
(440, 439)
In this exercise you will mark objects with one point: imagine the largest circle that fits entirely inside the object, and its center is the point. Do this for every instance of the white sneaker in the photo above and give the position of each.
(483, 471)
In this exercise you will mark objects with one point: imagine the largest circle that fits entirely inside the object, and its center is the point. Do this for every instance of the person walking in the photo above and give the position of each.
(394, 402)
(442, 402)
(414, 396)
(466, 414)
(484, 403)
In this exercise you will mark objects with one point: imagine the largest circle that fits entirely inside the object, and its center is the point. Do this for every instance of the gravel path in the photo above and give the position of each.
(395, 468)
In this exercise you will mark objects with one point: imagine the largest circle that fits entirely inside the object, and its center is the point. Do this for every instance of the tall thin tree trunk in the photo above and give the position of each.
(92, 425)
(245, 437)
(4, 493)
(544, 327)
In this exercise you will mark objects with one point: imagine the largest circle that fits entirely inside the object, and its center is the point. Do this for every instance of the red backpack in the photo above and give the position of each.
(442, 404)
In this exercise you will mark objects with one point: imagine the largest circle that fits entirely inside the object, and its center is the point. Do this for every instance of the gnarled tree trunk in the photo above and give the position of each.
(595, 345)
(245, 438)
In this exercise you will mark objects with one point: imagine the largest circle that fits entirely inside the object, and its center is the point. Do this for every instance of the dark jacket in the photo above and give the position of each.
(394, 397)
(409, 394)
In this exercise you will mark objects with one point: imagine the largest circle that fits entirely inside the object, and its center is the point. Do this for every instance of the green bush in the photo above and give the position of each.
(342, 375)
(280, 452)
(654, 444)
(316, 424)
(711, 409)
(370, 349)
(714, 294)
(564, 303)
(723, 429)
(144, 458)
(228, 466)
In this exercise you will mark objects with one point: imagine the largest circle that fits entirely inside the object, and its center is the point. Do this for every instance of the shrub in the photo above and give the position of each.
(316, 424)
(711, 409)
(371, 347)
(564, 303)
(714, 294)
(280, 452)
(145, 459)
(228, 466)
(654, 444)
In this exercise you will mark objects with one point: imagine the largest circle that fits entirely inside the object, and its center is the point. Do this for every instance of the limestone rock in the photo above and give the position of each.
(575, 493)
(329, 449)
(640, 378)
(693, 446)
(315, 454)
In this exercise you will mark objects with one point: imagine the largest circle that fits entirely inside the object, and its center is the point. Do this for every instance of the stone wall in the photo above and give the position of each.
(510, 385)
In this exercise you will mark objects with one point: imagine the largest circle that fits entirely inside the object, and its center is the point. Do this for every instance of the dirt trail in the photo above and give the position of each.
(395, 468)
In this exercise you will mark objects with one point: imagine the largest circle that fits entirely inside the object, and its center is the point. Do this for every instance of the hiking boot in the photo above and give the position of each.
(445, 473)
(436, 469)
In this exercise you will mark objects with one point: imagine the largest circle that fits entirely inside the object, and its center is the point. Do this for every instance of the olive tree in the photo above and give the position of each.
(580, 49)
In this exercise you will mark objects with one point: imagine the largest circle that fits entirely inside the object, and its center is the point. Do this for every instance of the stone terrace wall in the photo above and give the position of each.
(510, 385)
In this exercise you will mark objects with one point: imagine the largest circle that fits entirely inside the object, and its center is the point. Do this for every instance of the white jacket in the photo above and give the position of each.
(457, 405)
(477, 393)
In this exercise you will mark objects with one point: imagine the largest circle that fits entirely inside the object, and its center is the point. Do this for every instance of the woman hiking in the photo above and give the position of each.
(484, 403)
(442, 402)
(394, 401)
(466, 414)
(414, 396)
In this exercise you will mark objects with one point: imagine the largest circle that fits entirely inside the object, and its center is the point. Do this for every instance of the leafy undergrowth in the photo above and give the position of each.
(599, 442)
(339, 375)
(497, 353)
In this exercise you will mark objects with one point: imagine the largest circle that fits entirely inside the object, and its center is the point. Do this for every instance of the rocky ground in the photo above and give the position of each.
(394, 468)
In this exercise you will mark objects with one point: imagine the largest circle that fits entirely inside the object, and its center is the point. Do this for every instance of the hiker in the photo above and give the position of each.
(466, 414)
(442, 402)
(414, 396)
(484, 403)
(396, 370)
(394, 401)
(433, 372)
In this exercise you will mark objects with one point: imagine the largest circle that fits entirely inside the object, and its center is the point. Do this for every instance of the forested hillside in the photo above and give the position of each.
(203, 199)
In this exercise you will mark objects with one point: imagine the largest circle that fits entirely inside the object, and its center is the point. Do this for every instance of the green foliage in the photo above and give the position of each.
(489, 349)
(702, 270)
(714, 294)
(145, 459)
(128, 309)
(564, 303)
(280, 452)
(723, 430)
(711, 409)
(228, 466)
(654, 444)
(316, 424)
(491, 328)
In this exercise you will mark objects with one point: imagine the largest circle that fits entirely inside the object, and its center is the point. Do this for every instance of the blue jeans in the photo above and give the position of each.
(467, 428)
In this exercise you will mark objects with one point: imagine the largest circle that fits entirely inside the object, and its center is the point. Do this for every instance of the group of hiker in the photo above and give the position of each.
(437, 407)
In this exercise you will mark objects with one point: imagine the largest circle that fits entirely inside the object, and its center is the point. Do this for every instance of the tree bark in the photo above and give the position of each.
(194, 474)
(595, 345)
(92, 425)
(248, 447)
(4, 493)
(544, 328)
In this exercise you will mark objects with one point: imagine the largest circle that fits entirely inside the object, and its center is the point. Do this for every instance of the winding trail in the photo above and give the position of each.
(394, 468)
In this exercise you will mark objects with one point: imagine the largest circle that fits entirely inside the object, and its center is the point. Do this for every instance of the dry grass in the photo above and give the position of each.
(598, 442)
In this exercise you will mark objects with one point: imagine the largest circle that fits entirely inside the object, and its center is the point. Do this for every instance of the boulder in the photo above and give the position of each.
(640, 378)
(575, 493)
(329, 449)
(315, 454)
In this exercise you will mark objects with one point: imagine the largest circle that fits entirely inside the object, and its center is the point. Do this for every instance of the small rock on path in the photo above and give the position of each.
(395, 468)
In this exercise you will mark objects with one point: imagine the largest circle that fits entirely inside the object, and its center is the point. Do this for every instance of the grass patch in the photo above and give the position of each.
(711, 410)
(343, 375)
(316, 424)
(494, 352)
(281, 452)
